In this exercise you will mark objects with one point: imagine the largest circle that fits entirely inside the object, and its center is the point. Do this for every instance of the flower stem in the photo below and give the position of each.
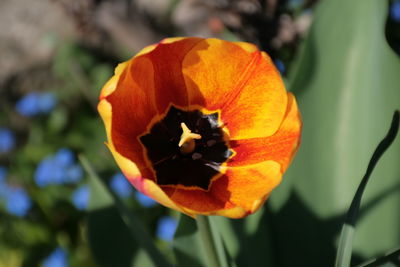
(212, 243)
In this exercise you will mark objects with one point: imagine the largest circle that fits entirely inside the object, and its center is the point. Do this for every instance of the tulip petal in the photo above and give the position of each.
(250, 185)
(247, 46)
(193, 202)
(130, 169)
(141, 89)
(133, 108)
(110, 86)
(146, 186)
(236, 194)
(169, 83)
(244, 85)
(279, 147)
(134, 166)
(199, 201)
(151, 189)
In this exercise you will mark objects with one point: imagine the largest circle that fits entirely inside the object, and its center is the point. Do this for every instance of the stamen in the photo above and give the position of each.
(187, 143)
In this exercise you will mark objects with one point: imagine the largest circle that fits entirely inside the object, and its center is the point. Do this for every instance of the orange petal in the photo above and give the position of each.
(247, 46)
(151, 189)
(110, 86)
(133, 108)
(130, 168)
(167, 60)
(142, 89)
(241, 191)
(279, 147)
(245, 85)
(146, 186)
(136, 164)
(199, 201)
(250, 185)
(193, 202)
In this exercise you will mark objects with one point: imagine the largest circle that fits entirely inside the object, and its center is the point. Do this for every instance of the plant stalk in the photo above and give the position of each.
(212, 242)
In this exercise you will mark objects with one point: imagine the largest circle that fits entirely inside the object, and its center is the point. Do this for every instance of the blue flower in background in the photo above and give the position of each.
(395, 11)
(49, 172)
(280, 66)
(7, 140)
(64, 157)
(60, 168)
(80, 197)
(18, 201)
(35, 103)
(46, 102)
(166, 228)
(120, 185)
(28, 105)
(144, 200)
(58, 258)
(74, 174)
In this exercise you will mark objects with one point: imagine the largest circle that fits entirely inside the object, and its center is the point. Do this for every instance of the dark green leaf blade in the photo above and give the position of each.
(344, 251)
(389, 260)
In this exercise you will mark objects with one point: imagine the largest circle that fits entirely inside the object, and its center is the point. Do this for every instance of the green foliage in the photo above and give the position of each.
(346, 81)
(52, 220)
(344, 251)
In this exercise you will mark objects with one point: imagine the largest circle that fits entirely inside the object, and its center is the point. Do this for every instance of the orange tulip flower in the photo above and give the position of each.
(203, 126)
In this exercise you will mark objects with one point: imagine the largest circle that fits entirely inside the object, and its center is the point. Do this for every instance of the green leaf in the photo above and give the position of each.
(109, 238)
(390, 260)
(343, 257)
(347, 85)
(345, 246)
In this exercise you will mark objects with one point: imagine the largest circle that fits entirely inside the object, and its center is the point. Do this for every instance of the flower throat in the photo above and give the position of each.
(186, 148)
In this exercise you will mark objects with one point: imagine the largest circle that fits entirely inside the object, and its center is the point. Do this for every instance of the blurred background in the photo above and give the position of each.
(57, 54)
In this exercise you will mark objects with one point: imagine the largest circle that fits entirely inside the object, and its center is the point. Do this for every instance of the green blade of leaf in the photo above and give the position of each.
(345, 246)
(391, 259)
(344, 251)
(382, 147)
(137, 229)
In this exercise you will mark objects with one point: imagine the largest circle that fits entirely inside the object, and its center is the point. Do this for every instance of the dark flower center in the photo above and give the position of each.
(189, 162)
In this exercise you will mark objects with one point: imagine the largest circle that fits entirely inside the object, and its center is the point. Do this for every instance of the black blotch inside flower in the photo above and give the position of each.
(195, 169)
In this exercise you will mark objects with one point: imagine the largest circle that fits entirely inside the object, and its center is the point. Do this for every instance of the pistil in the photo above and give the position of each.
(187, 142)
